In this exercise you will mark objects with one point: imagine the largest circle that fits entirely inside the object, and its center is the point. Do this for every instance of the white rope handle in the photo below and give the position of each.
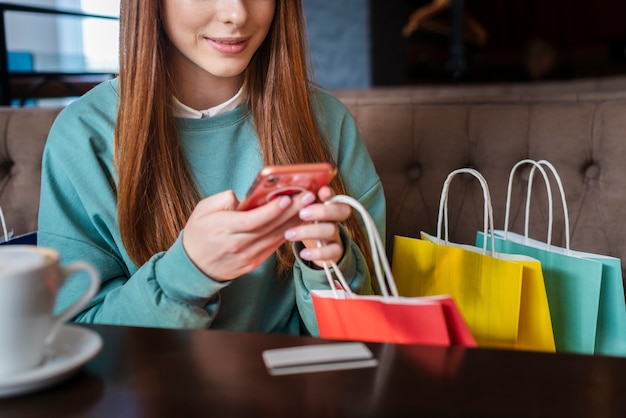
(488, 209)
(536, 165)
(4, 226)
(559, 183)
(379, 257)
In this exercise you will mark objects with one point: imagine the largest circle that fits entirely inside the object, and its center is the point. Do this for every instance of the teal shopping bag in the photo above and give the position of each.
(573, 288)
(585, 291)
(610, 334)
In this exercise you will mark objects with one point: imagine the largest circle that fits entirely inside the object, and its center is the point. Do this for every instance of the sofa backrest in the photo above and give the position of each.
(23, 134)
(415, 143)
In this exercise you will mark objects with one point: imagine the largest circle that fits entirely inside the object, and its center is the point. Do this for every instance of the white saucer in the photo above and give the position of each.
(72, 348)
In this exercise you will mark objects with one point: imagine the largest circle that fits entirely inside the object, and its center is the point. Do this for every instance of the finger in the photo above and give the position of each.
(325, 193)
(332, 251)
(225, 200)
(257, 248)
(274, 214)
(264, 216)
(335, 212)
(257, 251)
(309, 234)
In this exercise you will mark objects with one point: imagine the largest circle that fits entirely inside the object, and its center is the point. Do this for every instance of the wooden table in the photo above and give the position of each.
(143, 372)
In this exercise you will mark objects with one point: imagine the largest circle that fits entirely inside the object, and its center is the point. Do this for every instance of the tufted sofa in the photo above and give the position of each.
(416, 139)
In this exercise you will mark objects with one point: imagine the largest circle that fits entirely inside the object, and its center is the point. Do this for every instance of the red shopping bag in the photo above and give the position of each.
(428, 320)
(344, 315)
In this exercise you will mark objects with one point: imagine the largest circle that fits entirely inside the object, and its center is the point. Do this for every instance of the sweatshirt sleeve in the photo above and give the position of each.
(78, 218)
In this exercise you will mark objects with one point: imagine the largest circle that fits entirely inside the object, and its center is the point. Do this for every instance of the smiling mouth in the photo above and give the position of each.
(228, 46)
(228, 42)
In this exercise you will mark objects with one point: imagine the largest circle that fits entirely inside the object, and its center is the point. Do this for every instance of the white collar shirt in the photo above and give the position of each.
(183, 111)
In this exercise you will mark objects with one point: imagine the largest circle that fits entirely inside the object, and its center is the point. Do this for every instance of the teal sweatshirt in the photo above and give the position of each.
(78, 217)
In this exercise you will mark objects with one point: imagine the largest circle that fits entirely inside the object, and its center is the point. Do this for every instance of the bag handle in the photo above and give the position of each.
(536, 165)
(4, 226)
(488, 209)
(379, 257)
(559, 183)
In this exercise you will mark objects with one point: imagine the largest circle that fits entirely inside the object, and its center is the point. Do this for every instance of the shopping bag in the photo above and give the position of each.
(7, 237)
(342, 314)
(534, 331)
(487, 288)
(585, 290)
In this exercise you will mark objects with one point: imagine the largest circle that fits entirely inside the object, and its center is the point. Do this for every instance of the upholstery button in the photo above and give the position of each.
(5, 167)
(415, 172)
(523, 173)
(592, 172)
(467, 177)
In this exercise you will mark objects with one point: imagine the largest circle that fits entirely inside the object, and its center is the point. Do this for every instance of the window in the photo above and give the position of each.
(100, 37)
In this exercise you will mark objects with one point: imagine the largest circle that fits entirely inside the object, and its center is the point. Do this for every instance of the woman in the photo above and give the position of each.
(140, 183)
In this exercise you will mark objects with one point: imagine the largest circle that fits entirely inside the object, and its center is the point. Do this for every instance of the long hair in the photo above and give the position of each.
(156, 191)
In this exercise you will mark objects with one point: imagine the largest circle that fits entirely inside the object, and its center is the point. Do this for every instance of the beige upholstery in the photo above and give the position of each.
(416, 141)
(494, 92)
(416, 144)
(23, 133)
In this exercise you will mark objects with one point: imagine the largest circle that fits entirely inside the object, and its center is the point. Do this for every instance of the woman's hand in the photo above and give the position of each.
(320, 226)
(225, 243)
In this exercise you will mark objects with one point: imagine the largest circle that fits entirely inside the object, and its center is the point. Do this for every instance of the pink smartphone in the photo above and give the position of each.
(281, 180)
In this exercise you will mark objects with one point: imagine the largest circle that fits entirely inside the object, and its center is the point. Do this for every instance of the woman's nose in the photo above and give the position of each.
(232, 12)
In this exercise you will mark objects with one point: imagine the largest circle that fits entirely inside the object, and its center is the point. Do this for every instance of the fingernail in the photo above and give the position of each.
(284, 202)
(308, 198)
(306, 213)
(305, 254)
(290, 234)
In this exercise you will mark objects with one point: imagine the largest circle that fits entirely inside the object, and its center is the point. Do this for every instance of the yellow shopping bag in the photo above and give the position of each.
(500, 296)
(535, 325)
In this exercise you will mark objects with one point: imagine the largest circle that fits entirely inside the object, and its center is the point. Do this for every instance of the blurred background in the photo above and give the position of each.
(364, 43)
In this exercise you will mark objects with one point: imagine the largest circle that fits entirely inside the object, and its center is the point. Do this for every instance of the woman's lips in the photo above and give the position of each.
(228, 46)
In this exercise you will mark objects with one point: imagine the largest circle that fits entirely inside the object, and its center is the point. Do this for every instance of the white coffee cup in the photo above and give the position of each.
(30, 277)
